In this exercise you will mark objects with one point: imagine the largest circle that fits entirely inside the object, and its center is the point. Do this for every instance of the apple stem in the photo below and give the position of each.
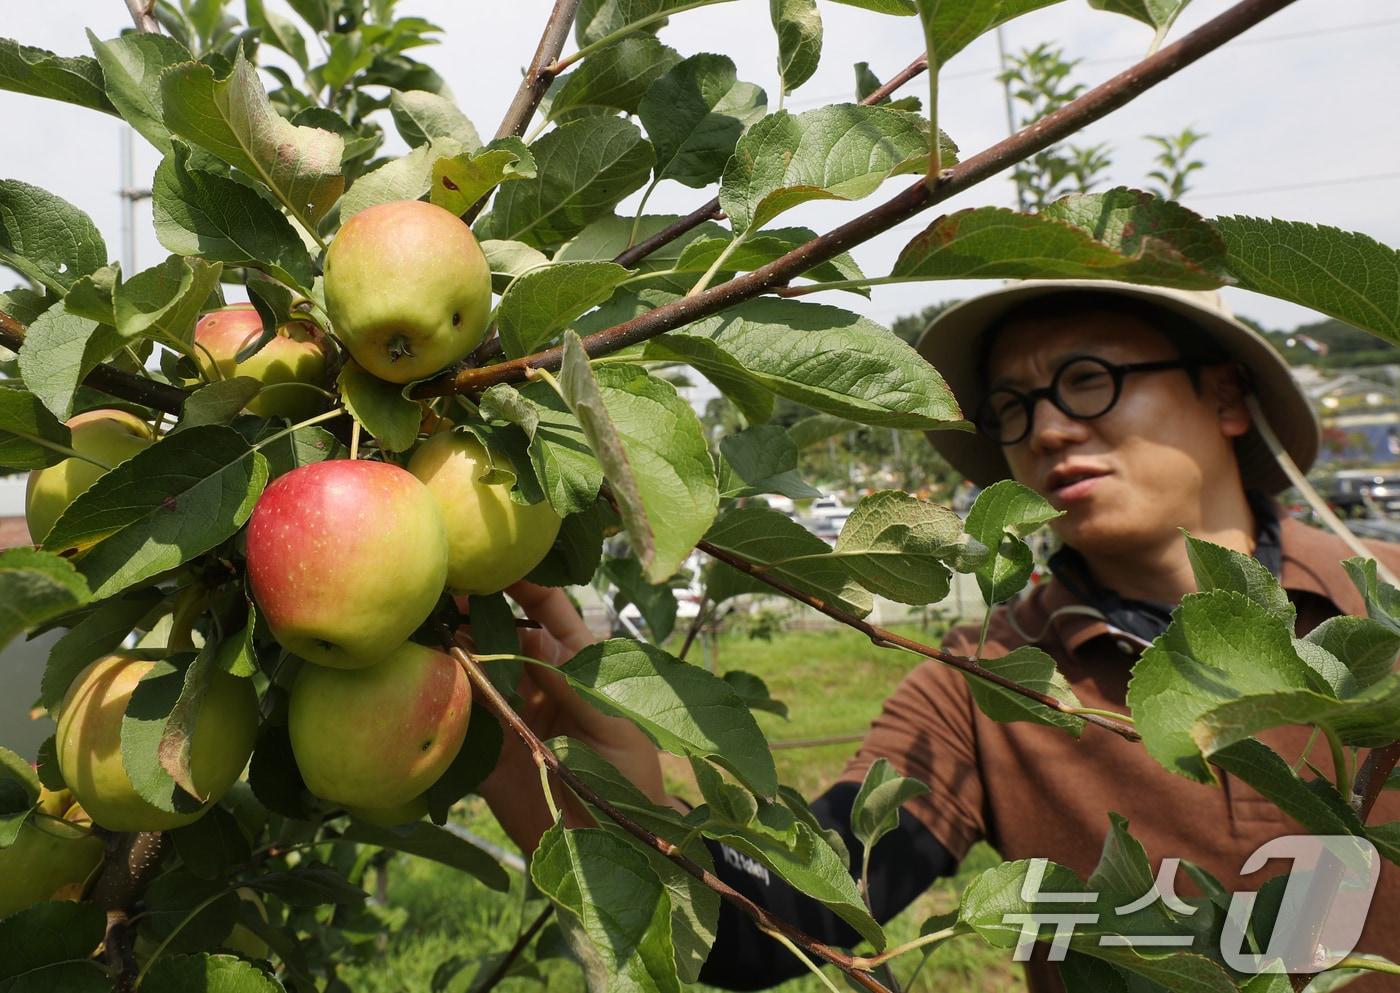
(328, 415)
(354, 440)
(544, 787)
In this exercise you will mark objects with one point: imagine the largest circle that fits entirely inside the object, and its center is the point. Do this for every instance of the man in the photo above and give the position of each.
(1124, 407)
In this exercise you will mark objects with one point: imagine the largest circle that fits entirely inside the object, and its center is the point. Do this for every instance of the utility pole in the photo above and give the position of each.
(130, 194)
(1010, 105)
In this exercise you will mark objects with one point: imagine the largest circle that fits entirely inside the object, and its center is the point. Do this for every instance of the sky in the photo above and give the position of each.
(1300, 112)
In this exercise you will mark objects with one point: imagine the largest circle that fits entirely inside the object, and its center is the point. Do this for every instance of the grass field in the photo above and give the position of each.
(833, 681)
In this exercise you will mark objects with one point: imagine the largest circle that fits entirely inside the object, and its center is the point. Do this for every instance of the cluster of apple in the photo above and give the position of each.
(346, 558)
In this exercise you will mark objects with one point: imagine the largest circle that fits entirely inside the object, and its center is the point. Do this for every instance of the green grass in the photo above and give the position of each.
(833, 682)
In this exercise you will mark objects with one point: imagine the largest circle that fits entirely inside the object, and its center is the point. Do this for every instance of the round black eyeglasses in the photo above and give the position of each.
(1083, 387)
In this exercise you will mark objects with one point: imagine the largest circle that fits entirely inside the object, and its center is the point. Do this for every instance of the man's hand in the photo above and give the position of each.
(551, 708)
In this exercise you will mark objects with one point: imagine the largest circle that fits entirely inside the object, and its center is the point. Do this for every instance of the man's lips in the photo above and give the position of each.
(1070, 483)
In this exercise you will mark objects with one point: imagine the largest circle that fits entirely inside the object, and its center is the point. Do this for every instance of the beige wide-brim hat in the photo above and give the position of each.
(952, 343)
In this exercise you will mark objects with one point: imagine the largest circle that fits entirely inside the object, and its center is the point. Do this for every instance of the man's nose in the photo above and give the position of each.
(1052, 428)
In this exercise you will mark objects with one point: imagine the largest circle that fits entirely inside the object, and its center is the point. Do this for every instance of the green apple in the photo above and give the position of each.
(345, 559)
(110, 437)
(51, 858)
(378, 737)
(295, 356)
(492, 541)
(90, 753)
(404, 813)
(408, 289)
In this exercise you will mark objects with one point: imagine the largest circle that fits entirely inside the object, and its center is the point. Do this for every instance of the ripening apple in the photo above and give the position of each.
(52, 856)
(492, 541)
(378, 737)
(89, 743)
(296, 355)
(408, 289)
(346, 558)
(110, 437)
(403, 813)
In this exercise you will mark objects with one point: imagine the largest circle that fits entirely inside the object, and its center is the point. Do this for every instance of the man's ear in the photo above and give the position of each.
(1223, 386)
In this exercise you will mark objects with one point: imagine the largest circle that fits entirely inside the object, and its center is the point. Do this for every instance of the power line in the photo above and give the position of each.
(1336, 181)
(1132, 57)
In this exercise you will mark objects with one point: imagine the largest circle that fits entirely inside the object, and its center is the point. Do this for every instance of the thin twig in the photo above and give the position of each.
(1092, 106)
(1371, 778)
(141, 15)
(695, 626)
(108, 379)
(888, 639)
(538, 77)
(502, 967)
(491, 698)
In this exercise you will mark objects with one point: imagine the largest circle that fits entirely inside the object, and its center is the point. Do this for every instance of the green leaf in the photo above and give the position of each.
(407, 178)
(431, 842)
(599, 18)
(609, 888)
(684, 709)
(1001, 516)
(508, 260)
(220, 220)
(577, 550)
(787, 551)
(584, 168)
(1123, 234)
(218, 403)
(59, 351)
(45, 238)
(1219, 647)
(559, 451)
(24, 424)
(380, 407)
(101, 631)
(841, 152)
(302, 447)
(310, 885)
(1220, 568)
(36, 587)
(799, 27)
(694, 114)
(131, 68)
(900, 547)
(653, 452)
(761, 459)
(277, 31)
(214, 846)
(1032, 668)
(40, 73)
(162, 507)
(832, 360)
(164, 302)
(723, 370)
(1365, 646)
(994, 905)
(1344, 274)
(1157, 14)
(612, 78)
(176, 739)
(655, 601)
(952, 25)
(875, 812)
(1315, 804)
(148, 716)
(232, 118)
(47, 934)
(758, 250)
(459, 181)
(542, 303)
(421, 116)
(784, 842)
(91, 296)
(901, 8)
(694, 906)
(214, 973)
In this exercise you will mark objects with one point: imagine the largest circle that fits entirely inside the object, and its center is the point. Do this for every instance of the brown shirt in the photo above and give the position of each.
(1035, 791)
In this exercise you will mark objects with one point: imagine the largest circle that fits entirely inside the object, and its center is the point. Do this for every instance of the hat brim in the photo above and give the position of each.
(952, 344)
